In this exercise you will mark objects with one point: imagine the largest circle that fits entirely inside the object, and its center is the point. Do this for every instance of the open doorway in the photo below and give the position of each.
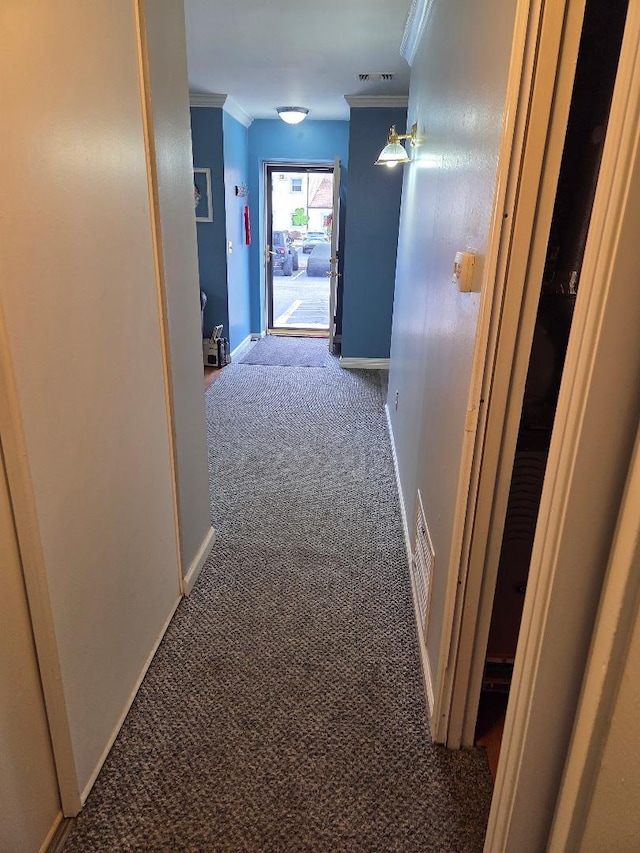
(595, 75)
(300, 204)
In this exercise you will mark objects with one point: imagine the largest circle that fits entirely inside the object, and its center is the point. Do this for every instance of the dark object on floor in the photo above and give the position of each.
(289, 352)
(215, 349)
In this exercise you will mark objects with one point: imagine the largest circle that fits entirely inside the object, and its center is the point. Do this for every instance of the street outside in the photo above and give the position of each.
(301, 211)
(300, 300)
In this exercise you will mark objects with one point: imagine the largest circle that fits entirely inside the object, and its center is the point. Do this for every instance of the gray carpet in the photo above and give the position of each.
(278, 351)
(284, 711)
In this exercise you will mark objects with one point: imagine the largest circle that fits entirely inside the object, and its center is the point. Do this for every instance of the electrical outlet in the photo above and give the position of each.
(397, 397)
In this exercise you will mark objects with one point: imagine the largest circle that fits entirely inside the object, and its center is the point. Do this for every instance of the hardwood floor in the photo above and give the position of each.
(211, 374)
(490, 726)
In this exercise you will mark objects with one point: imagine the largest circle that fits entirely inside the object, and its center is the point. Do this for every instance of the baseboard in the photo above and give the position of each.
(424, 655)
(57, 838)
(198, 561)
(242, 347)
(365, 363)
(114, 734)
(403, 511)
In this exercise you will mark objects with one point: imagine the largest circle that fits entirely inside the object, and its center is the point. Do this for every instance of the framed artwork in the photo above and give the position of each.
(202, 195)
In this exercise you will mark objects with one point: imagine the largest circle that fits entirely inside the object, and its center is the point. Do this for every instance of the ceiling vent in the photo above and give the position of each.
(375, 77)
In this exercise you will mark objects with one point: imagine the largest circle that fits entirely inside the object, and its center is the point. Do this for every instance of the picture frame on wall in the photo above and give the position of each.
(203, 198)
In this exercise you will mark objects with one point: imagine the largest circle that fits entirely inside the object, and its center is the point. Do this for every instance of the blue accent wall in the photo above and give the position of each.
(236, 160)
(371, 230)
(273, 141)
(207, 142)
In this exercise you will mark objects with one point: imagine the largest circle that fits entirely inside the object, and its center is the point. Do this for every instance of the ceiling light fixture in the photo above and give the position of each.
(394, 152)
(292, 115)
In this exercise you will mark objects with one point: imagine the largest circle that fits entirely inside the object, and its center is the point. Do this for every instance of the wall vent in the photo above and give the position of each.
(422, 566)
(375, 76)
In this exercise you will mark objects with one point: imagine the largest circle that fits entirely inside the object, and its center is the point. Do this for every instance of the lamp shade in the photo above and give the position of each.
(292, 115)
(392, 154)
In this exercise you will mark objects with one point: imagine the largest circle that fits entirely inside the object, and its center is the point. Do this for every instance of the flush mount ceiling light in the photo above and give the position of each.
(292, 115)
(394, 152)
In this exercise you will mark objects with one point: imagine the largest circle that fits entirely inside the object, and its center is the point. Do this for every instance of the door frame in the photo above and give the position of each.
(267, 290)
(335, 255)
(618, 615)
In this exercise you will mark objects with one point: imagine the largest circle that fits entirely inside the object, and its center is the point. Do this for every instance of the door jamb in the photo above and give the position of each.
(616, 621)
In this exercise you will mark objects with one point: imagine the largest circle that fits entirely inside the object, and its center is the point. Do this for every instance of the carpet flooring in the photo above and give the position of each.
(284, 710)
(288, 352)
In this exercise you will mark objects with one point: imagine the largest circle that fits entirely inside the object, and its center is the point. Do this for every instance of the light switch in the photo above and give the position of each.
(463, 271)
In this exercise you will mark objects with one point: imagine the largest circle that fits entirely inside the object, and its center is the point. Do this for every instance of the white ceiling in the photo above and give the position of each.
(295, 52)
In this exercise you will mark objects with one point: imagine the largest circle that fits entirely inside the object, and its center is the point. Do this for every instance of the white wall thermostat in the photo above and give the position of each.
(463, 271)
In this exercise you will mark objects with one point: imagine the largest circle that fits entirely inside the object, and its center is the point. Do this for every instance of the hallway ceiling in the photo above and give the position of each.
(281, 52)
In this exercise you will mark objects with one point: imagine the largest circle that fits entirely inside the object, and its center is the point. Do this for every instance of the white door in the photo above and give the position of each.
(531, 159)
(333, 272)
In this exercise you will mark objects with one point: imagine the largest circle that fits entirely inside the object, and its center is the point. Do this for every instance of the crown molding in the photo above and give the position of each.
(223, 102)
(206, 99)
(377, 100)
(235, 111)
(414, 28)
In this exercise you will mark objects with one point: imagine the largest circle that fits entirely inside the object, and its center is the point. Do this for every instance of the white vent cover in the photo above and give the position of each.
(422, 566)
(375, 76)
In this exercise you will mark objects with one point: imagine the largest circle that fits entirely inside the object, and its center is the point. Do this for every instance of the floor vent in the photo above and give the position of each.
(422, 566)
(375, 76)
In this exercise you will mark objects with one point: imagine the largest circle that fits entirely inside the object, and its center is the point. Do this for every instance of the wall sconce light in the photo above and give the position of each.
(394, 152)
(292, 115)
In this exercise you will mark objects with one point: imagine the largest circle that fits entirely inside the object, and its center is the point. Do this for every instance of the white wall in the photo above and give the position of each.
(28, 784)
(171, 138)
(80, 298)
(458, 85)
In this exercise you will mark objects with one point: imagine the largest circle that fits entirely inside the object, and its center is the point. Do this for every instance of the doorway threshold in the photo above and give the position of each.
(299, 333)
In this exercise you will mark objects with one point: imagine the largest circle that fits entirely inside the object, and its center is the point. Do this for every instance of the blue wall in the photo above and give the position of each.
(206, 137)
(273, 141)
(235, 282)
(371, 228)
(236, 159)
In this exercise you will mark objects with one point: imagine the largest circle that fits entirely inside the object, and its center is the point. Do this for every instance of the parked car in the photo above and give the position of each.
(286, 255)
(319, 262)
(312, 239)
